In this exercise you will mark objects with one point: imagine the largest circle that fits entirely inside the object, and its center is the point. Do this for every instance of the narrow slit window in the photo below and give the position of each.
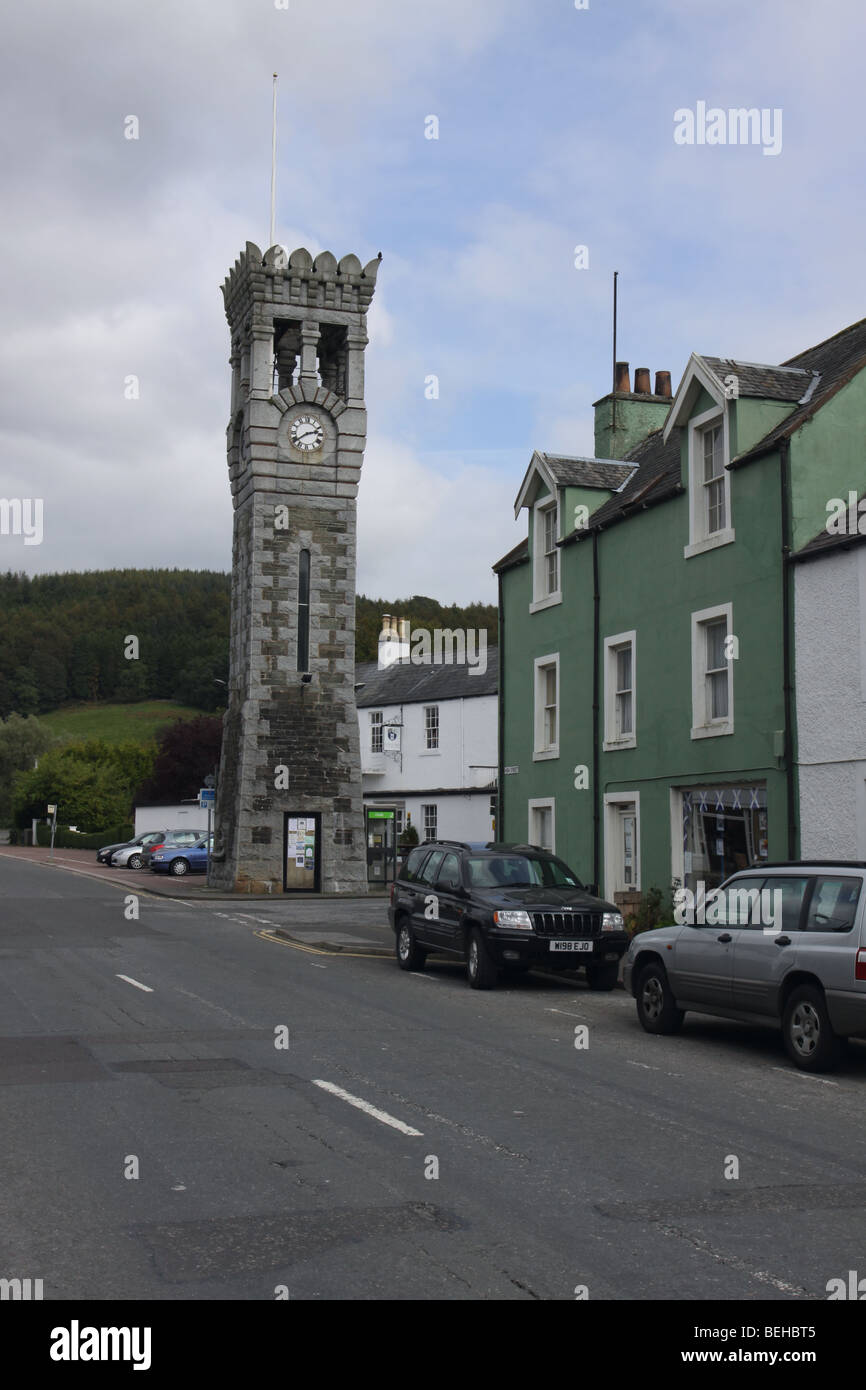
(304, 611)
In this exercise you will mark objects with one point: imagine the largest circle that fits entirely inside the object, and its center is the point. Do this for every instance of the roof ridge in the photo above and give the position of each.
(861, 323)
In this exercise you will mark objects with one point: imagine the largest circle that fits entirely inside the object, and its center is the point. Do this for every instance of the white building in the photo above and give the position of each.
(830, 657)
(429, 741)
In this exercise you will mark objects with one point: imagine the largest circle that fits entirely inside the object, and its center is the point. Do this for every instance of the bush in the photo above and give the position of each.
(72, 839)
(653, 911)
(408, 837)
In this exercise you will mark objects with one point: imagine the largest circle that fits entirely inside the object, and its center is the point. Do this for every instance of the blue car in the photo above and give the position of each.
(182, 859)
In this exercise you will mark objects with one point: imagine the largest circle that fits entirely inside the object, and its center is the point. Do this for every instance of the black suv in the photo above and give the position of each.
(502, 907)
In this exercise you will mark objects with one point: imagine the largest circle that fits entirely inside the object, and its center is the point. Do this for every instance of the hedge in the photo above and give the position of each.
(71, 839)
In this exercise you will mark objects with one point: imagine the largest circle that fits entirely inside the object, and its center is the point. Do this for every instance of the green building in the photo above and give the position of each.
(647, 696)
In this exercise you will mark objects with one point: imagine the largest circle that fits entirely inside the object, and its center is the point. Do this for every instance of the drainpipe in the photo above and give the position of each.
(500, 776)
(787, 648)
(596, 761)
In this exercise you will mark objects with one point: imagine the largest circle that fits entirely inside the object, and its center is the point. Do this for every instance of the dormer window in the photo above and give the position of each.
(709, 483)
(546, 588)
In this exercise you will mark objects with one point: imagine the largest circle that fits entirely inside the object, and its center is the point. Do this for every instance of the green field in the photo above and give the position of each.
(115, 723)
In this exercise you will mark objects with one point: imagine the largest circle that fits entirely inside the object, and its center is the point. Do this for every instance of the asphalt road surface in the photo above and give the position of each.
(157, 1143)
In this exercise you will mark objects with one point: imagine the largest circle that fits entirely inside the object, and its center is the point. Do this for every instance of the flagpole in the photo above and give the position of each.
(273, 165)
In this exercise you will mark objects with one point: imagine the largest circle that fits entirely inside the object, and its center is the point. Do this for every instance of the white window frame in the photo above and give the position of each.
(612, 803)
(542, 597)
(434, 807)
(700, 540)
(541, 666)
(702, 725)
(429, 728)
(543, 803)
(377, 727)
(611, 646)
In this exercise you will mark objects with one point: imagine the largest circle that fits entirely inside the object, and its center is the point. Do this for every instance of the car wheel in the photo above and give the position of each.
(409, 954)
(480, 968)
(602, 976)
(809, 1038)
(179, 867)
(656, 1006)
(134, 861)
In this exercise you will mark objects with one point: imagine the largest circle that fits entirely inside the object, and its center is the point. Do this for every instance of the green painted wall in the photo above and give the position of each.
(752, 419)
(647, 585)
(828, 457)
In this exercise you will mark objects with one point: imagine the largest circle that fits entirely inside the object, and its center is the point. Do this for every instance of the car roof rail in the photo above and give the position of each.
(808, 864)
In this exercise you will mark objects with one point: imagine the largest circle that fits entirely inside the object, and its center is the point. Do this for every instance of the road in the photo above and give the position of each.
(149, 1046)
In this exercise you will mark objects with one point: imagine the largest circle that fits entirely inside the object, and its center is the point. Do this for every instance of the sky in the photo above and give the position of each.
(556, 129)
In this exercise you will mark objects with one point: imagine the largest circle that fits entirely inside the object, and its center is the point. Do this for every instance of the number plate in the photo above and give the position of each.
(571, 945)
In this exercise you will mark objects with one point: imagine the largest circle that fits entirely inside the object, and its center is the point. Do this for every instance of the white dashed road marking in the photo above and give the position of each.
(138, 985)
(368, 1109)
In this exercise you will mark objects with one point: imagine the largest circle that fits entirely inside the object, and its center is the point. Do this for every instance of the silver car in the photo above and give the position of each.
(778, 944)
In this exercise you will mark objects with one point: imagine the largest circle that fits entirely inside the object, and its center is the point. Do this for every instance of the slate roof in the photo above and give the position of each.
(517, 556)
(656, 477)
(406, 684)
(836, 361)
(790, 384)
(576, 471)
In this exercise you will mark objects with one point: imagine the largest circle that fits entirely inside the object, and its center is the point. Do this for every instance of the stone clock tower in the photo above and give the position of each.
(288, 807)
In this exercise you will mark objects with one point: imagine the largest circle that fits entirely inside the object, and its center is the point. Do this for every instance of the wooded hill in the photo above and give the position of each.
(63, 636)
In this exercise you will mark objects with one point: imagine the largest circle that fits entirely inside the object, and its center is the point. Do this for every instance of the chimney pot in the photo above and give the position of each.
(663, 384)
(622, 377)
(642, 381)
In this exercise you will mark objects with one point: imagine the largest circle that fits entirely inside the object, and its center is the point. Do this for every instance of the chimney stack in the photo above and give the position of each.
(663, 384)
(642, 381)
(622, 379)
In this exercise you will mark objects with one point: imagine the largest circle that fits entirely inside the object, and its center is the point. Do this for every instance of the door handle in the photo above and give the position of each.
(782, 941)
(726, 937)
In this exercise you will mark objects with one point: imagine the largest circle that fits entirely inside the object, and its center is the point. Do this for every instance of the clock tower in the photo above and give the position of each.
(289, 813)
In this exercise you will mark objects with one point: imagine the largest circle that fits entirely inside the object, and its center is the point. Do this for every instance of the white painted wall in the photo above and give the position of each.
(830, 665)
(187, 817)
(467, 736)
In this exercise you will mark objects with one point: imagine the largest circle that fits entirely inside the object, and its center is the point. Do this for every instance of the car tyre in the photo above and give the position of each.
(602, 976)
(134, 861)
(808, 1033)
(480, 968)
(179, 867)
(656, 1006)
(409, 954)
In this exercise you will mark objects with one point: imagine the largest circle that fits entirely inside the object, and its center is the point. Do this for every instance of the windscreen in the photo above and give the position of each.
(519, 871)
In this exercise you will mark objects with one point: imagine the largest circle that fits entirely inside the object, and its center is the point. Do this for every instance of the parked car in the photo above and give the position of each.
(131, 855)
(189, 859)
(103, 856)
(172, 839)
(502, 907)
(796, 961)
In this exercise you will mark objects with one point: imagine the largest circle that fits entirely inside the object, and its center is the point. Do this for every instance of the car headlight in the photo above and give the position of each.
(513, 919)
(612, 921)
(158, 856)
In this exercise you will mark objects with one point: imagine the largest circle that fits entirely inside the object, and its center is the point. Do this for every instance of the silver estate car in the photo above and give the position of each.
(779, 944)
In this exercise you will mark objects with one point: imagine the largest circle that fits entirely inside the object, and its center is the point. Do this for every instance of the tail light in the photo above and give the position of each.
(860, 964)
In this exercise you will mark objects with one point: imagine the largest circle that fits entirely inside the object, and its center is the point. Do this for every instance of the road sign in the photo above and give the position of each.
(206, 798)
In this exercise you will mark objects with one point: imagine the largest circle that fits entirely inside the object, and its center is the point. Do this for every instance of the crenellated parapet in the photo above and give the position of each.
(294, 279)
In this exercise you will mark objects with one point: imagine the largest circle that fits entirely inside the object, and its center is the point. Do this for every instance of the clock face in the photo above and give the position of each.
(307, 433)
